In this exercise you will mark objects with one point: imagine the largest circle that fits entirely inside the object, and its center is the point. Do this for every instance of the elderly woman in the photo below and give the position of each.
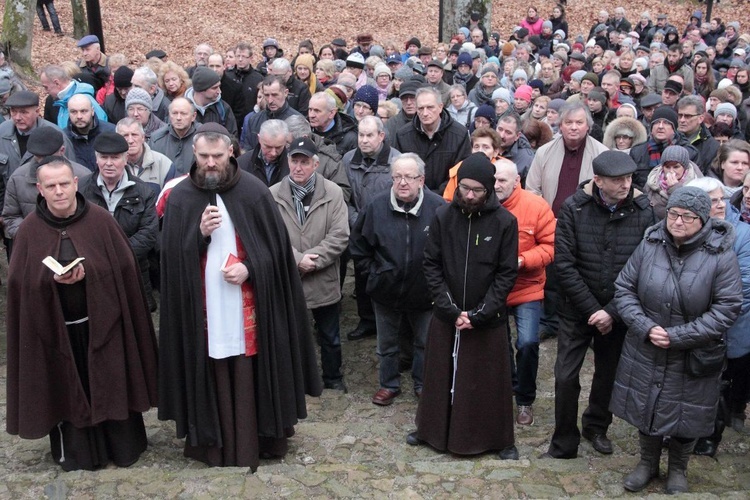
(624, 133)
(461, 108)
(674, 171)
(678, 294)
(736, 388)
(482, 91)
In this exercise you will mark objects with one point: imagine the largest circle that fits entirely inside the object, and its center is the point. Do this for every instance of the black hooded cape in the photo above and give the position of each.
(286, 362)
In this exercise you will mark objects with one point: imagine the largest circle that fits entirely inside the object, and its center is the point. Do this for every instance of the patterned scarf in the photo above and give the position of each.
(655, 150)
(298, 195)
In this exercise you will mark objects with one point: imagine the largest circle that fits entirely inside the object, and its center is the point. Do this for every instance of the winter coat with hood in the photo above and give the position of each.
(592, 244)
(652, 389)
(449, 145)
(624, 123)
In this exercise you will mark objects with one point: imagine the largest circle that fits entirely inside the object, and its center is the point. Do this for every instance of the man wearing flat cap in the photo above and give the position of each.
(130, 200)
(93, 62)
(236, 354)
(598, 227)
(21, 192)
(470, 263)
(316, 216)
(14, 134)
(434, 79)
(205, 94)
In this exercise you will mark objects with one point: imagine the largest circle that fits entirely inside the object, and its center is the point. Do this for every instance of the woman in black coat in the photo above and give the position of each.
(680, 291)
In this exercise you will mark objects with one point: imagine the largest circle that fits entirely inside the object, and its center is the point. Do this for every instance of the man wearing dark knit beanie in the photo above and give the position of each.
(470, 263)
(205, 94)
(114, 103)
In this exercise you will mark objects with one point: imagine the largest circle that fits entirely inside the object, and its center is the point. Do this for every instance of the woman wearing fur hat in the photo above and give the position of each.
(624, 133)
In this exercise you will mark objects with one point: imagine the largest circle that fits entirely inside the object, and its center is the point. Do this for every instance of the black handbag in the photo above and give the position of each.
(706, 361)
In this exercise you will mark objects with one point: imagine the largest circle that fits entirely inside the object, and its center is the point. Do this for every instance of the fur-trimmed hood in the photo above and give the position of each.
(627, 123)
(716, 236)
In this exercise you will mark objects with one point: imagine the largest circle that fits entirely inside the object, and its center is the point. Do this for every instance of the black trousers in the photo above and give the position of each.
(573, 341)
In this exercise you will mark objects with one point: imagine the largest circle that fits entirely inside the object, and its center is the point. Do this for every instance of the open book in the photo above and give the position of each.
(230, 260)
(58, 268)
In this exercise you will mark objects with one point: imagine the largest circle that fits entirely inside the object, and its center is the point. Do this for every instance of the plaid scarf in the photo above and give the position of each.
(298, 195)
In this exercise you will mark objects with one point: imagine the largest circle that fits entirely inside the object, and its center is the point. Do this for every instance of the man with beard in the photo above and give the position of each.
(674, 64)
(235, 359)
(597, 230)
(470, 263)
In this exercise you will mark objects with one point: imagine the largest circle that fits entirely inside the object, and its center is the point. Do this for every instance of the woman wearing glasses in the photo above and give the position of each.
(679, 292)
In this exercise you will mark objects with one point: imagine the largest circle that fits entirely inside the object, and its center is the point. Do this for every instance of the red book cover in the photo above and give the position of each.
(230, 260)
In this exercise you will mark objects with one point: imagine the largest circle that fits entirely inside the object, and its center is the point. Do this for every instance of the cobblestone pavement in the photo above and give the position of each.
(350, 448)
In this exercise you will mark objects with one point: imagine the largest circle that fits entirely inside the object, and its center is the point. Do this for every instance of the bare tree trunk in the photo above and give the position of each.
(80, 26)
(17, 29)
(455, 13)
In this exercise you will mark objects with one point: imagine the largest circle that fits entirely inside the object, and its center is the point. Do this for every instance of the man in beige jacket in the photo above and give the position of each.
(317, 219)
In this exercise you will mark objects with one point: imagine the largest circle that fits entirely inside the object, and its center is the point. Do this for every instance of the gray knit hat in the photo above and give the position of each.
(726, 108)
(677, 154)
(691, 198)
(139, 96)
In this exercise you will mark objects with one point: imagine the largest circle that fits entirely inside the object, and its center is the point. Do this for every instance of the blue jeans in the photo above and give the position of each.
(388, 321)
(527, 316)
(52, 16)
(329, 339)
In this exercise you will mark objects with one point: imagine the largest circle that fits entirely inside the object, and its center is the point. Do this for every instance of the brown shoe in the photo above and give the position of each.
(385, 397)
(525, 415)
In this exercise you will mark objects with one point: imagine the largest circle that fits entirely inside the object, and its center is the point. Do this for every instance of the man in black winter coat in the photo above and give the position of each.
(440, 141)
(597, 230)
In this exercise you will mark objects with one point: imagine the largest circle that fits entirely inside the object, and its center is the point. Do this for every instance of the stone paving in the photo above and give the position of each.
(350, 448)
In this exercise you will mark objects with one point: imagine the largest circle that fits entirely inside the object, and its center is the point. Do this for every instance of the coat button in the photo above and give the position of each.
(658, 384)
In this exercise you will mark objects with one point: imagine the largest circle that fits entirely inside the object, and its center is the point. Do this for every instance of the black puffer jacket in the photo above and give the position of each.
(448, 146)
(387, 245)
(592, 245)
(652, 390)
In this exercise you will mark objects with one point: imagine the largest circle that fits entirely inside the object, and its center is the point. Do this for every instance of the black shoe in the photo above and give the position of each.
(545, 334)
(337, 385)
(600, 442)
(509, 453)
(412, 439)
(46, 29)
(361, 332)
(706, 447)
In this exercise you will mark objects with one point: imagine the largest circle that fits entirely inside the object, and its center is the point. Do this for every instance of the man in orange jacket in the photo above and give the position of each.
(536, 248)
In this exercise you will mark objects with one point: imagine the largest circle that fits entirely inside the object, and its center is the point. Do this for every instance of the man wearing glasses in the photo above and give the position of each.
(470, 265)
(597, 230)
(387, 244)
(690, 123)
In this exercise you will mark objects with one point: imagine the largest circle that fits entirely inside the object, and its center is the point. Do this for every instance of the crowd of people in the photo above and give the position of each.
(591, 187)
